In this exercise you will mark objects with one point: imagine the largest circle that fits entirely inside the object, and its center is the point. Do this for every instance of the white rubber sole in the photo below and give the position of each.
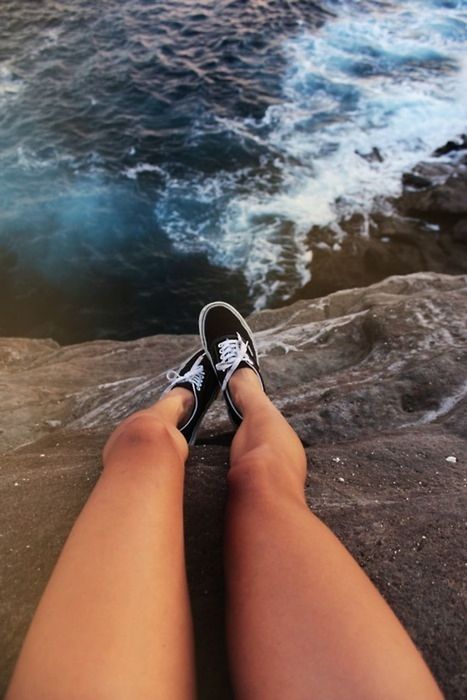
(197, 427)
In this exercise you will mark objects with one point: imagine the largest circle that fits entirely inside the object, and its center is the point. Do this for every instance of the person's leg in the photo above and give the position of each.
(303, 619)
(114, 621)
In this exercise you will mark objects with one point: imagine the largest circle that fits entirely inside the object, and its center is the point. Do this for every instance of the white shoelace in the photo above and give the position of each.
(232, 352)
(195, 376)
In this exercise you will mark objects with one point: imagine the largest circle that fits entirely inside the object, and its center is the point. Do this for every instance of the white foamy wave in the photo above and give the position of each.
(365, 98)
(132, 173)
(10, 84)
(29, 161)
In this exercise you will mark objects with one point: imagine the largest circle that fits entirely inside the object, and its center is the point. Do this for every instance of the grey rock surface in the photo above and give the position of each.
(373, 379)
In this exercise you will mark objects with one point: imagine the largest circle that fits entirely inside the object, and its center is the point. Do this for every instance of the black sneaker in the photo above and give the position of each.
(229, 344)
(196, 375)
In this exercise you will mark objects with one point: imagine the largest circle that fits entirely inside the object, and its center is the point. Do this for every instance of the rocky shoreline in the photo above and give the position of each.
(374, 380)
(425, 228)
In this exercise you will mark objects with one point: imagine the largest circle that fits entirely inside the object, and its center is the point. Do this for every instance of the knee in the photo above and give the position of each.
(264, 473)
(143, 433)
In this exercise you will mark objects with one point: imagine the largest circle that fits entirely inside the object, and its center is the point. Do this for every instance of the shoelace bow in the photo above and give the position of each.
(232, 352)
(195, 376)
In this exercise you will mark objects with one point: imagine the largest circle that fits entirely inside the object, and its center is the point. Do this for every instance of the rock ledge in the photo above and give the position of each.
(375, 382)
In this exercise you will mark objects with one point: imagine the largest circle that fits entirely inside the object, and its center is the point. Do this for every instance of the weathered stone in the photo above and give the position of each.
(416, 181)
(452, 147)
(460, 231)
(448, 199)
(420, 230)
(375, 382)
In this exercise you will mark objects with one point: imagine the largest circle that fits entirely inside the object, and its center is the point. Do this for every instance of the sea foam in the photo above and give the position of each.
(365, 98)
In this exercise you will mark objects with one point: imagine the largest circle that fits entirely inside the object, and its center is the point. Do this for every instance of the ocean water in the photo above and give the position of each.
(155, 156)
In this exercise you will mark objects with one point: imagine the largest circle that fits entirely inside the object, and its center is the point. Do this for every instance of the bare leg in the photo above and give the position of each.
(114, 621)
(303, 619)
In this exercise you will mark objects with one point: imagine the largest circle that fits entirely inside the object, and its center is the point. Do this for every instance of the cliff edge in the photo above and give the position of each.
(374, 380)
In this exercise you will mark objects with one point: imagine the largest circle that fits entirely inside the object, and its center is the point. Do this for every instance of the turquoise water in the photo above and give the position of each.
(155, 156)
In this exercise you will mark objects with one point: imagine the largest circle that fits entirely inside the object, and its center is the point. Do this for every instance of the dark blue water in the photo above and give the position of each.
(155, 156)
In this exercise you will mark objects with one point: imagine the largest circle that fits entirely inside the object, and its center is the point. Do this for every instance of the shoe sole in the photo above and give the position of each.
(197, 427)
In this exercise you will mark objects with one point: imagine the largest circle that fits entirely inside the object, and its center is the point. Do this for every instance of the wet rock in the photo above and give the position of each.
(416, 181)
(460, 231)
(448, 199)
(452, 147)
(422, 229)
(373, 156)
(373, 379)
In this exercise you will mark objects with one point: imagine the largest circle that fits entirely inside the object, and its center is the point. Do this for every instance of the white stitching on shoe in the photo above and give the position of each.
(232, 352)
